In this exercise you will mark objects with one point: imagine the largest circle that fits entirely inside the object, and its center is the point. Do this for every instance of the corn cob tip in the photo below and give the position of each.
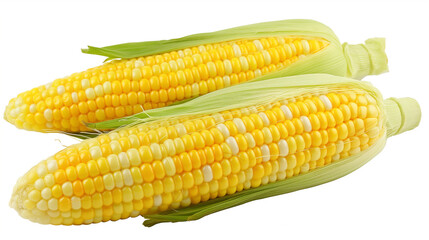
(403, 114)
(19, 196)
(366, 59)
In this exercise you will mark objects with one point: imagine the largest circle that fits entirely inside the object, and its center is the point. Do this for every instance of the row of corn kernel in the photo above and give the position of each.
(224, 51)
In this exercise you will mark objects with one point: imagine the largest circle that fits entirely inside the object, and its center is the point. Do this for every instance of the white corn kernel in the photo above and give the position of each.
(85, 84)
(281, 175)
(90, 93)
(207, 173)
(181, 54)
(250, 140)
(173, 65)
(115, 146)
(49, 180)
(41, 170)
(138, 64)
(292, 46)
(75, 97)
(305, 46)
(273, 177)
(180, 64)
(283, 148)
(61, 89)
(287, 112)
(46, 193)
(67, 189)
(264, 180)
(237, 50)
(39, 184)
(258, 45)
(244, 63)
(32, 108)
(53, 213)
(249, 173)
(228, 66)
(169, 145)
(240, 125)
(48, 115)
(226, 81)
(156, 151)
(258, 73)
(119, 181)
(134, 157)
(42, 205)
(157, 200)
(52, 165)
(232, 143)
(170, 168)
(95, 152)
(99, 92)
(305, 167)
(326, 102)
(128, 178)
(195, 90)
(107, 87)
(282, 164)
(223, 129)
(267, 57)
(202, 48)
(265, 153)
(340, 147)
(113, 161)
(315, 154)
(53, 204)
(123, 160)
(264, 118)
(218, 118)
(181, 129)
(75, 202)
(306, 122)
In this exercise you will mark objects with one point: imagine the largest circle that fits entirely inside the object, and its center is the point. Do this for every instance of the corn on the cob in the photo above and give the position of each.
(157, 74)
(312, 128)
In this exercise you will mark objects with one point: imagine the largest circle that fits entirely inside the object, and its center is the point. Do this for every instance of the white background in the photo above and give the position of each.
(386, 199)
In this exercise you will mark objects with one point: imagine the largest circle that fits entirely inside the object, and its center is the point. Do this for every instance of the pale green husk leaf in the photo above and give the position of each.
(293, 27)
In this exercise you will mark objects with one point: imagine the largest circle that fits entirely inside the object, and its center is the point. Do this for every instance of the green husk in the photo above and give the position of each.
(278, 28)
(354, 61)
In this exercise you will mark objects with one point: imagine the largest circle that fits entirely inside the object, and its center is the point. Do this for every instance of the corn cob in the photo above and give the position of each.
(280, 135)
(156, 74)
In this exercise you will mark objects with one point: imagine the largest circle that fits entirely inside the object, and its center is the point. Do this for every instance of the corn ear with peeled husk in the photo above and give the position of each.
(154, 74)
